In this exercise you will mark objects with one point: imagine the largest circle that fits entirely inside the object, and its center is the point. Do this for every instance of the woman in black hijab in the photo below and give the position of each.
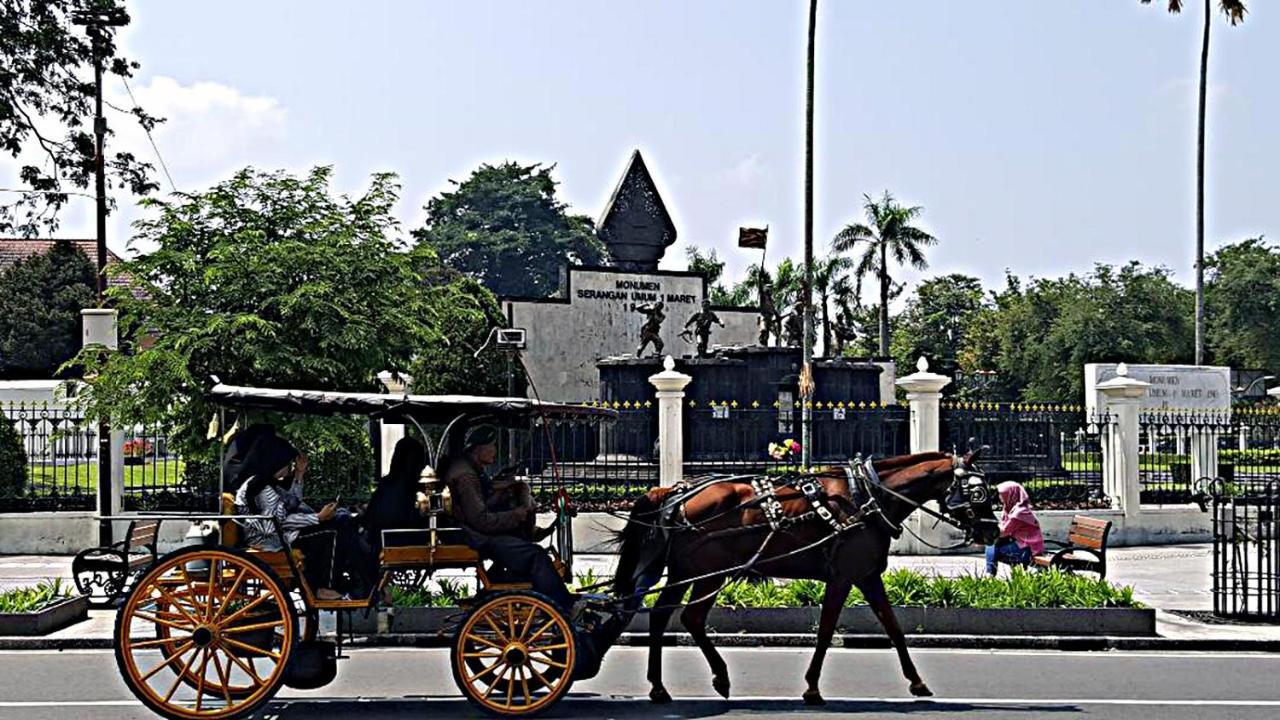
(274, 472)
(394, 502)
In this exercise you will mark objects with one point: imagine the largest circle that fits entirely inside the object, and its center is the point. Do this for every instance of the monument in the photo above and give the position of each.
(1174, 388)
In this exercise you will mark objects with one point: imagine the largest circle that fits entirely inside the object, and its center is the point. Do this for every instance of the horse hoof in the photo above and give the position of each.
(721, 684)
(813, 697)
(659, 696)
(921, 690)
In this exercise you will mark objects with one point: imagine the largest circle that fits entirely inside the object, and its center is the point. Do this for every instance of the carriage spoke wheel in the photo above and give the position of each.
(514, 655)
(205, 633)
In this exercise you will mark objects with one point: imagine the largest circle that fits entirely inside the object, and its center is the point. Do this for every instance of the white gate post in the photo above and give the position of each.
(924, 395)
(670, 386)
(1204, 449)
(1120, 465)
(100, 329)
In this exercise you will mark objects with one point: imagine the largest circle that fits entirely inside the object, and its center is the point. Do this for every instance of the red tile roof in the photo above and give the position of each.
(14, 249)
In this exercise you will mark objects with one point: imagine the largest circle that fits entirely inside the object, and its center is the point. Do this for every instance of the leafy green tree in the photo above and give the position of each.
(888, 234)
(40, 302)
(13, 461)
(1235, 11)
(463, 312)
(267, 279)
(46, 105)
(711, 266)
(1243, 292)
(1048, 330)
(936, 323)
(504, 227)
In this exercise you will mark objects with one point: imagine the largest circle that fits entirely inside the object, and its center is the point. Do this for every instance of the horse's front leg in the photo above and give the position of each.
(832, 602)
(873, 589)
(694, 619)
(664, 607)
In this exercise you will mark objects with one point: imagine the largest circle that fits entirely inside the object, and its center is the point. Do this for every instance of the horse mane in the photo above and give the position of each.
(898, 462)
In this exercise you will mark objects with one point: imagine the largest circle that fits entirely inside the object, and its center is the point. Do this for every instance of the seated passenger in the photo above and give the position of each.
(394, 502)
(1020, 536)
(498, 516)
(327, 538)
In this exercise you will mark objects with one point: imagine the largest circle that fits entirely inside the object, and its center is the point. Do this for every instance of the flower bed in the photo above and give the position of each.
(41, 609)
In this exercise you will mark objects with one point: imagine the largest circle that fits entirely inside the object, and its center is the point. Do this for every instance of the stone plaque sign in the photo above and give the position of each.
(1187, 388)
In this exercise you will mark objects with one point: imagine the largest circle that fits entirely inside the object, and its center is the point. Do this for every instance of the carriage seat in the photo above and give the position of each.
(277, 560)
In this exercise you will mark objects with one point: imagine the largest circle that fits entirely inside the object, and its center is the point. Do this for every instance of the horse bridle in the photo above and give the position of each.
(967, 484)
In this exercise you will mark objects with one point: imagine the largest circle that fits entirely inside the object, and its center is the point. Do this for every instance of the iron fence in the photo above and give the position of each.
(1246, 564)
(60, 467)
(1165, 440)
(1249, 450)
(618, 460)
(1054, 451)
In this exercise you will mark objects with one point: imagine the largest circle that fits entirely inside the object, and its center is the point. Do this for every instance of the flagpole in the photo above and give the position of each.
(806, 371)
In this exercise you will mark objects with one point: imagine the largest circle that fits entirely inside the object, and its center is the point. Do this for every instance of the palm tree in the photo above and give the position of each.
(889, 233)
(1235, 11)
(828, 275)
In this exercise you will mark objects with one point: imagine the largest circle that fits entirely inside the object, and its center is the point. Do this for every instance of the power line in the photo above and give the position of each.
(150, 139)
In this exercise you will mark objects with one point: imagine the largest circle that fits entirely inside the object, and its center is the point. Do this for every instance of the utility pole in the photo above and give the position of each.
(806, 371)
(96, 22)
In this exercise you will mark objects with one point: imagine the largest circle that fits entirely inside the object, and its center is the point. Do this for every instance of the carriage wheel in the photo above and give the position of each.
(205, 633)
(514, 654)
(100, 574)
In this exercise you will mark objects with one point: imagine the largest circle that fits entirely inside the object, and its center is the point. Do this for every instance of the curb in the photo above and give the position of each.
(968, 642)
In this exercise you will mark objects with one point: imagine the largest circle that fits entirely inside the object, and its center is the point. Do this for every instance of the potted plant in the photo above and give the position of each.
(136, 451)
(41, 609)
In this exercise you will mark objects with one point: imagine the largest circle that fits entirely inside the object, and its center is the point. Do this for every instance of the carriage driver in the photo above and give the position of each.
(498, 514)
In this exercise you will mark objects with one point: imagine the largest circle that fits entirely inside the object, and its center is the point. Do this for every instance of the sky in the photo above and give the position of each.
(1039, 138)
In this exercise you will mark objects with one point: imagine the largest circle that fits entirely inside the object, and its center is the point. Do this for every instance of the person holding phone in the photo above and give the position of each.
(328, 538)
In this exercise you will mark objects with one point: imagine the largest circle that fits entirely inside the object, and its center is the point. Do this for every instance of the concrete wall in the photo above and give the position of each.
(67, 533)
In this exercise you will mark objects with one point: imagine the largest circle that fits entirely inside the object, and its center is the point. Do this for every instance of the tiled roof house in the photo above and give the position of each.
(14, 249)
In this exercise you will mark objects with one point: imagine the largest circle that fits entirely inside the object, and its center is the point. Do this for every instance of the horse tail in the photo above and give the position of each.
(642, 548)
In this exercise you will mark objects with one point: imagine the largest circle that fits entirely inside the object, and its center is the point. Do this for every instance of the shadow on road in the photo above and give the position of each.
(598, 707)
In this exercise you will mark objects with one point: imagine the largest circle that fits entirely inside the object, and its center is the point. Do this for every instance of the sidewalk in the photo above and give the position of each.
(1167, 577)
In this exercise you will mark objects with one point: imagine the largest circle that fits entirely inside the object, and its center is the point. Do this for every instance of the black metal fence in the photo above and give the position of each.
(1249, 452)
(1246, 553)
(1054, 451)
(60, 468)
(618, 460)
(1243, 448)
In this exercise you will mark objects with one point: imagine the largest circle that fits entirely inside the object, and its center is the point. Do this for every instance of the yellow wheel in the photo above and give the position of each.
(205, 633)
(514, 654)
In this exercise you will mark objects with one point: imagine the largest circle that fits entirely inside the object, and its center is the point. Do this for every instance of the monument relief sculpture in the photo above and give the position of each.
(651, 329)
(770, 321)
(699, 325)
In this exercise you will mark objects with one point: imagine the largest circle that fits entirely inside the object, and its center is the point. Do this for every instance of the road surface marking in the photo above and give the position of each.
(1034, 702)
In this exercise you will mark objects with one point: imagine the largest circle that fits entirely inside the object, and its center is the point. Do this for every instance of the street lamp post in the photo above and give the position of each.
(96, 22)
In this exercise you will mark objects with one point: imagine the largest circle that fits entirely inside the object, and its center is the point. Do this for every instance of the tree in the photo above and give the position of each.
(504, 227)
(13, 461)
(1243, 294)
(937, 320)
(828, 278)
(1048, 330)
(266, 279)
(1235, 11)
(710, 266)
(40, 302)
(45, 106)
(890, 233)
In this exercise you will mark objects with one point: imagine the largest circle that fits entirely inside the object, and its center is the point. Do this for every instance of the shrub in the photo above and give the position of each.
(35, 598)
(13, 462)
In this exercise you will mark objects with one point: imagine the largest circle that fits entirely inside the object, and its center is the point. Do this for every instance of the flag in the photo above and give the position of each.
(753, 238)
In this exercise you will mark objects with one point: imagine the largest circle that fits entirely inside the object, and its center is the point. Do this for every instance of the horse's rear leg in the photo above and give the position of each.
(694, 619)
(664, 606)
(873, 589)
(832, 602)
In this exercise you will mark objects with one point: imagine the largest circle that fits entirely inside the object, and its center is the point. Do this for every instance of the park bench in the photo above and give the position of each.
(1085, 549)
(102, 573)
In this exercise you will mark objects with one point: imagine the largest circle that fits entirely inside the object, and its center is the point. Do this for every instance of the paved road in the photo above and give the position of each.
(402, 683)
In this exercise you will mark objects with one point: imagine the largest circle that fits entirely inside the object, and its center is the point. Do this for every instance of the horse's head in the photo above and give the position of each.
(970, 501)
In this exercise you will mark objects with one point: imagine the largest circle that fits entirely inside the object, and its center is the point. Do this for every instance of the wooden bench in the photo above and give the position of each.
(103, 573)
(1085, 550)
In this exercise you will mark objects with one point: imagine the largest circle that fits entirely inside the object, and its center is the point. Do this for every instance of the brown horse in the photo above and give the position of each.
(723, 529)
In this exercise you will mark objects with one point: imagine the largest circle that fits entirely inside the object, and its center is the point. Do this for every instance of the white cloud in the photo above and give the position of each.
(746, 172)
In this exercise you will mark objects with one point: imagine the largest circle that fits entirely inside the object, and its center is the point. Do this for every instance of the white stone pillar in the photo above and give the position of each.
(924, 396)
(1204, 451)
(1120, 478)
(670, 386)
(390, 433)
(100, 327)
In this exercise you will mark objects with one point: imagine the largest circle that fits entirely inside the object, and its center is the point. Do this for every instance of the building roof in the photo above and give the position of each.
(14, 249)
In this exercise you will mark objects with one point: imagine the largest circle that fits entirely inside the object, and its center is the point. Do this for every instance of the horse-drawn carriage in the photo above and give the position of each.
(214, 630)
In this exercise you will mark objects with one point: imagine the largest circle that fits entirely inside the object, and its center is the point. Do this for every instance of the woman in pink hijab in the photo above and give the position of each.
(1020, 536)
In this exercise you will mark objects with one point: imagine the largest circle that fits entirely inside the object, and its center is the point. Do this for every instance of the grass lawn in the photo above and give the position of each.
(84, 477)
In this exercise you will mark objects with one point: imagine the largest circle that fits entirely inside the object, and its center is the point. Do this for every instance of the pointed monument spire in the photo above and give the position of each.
(635, 225)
